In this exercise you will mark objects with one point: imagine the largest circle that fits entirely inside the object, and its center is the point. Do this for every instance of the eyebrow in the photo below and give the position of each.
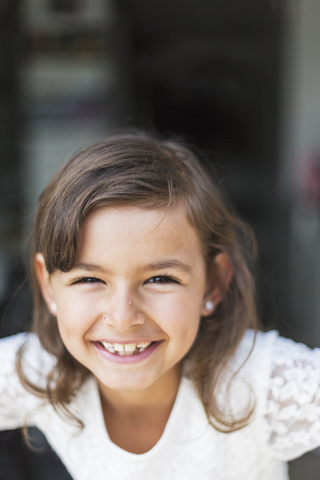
(162, 265)
(90, 267)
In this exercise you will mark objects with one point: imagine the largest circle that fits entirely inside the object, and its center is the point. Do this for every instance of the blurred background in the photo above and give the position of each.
(239, 79)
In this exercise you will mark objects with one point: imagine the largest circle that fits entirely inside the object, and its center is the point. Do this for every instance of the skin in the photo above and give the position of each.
(140, 276)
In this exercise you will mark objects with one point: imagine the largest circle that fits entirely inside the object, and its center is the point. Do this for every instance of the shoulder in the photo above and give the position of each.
(270, 349)
(14, 342)
(9, 347)
(36, 361)
(256, 344)
(248, 374)
(16, 402)
(273, 363)
(255, 355)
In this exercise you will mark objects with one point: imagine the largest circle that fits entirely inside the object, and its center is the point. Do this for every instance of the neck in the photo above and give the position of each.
(160, 395)
(136, 419)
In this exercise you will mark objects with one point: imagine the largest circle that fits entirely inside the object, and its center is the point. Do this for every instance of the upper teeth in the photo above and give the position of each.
(126, 349)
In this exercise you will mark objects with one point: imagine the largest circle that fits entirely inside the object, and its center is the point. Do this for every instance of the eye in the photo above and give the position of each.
(162, 279)
(88, 280)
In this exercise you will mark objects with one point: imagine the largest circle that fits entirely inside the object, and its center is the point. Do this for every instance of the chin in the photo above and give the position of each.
(126, 384)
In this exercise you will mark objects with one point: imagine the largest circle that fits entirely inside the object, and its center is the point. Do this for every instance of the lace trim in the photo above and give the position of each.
(293, 407)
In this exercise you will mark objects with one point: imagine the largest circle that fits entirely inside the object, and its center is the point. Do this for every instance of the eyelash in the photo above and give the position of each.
(160, 279)
(163, 279)
(87, 280)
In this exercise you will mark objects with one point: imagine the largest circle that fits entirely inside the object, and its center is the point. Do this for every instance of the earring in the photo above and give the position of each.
(209, 305)
(53, 307)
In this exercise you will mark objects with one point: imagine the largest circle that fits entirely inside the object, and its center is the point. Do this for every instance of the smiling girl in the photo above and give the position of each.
(145, 361)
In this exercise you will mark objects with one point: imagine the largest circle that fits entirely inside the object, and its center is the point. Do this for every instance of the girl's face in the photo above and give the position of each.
(130, 308)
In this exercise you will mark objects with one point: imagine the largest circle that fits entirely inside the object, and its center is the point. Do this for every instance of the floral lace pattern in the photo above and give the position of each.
(293, 406)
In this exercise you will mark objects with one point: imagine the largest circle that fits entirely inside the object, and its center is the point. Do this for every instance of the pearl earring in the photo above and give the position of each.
(53, 307)
(209, 305)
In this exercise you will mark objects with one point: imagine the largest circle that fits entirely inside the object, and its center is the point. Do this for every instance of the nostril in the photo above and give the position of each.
(123, 313)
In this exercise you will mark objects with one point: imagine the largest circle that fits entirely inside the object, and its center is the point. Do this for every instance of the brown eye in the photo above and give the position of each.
(162, 279)
(87, 280)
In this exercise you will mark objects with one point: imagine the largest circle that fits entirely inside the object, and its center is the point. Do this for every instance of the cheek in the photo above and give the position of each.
(73, 328)
(180, 319)
(181, 335)
(74, 317)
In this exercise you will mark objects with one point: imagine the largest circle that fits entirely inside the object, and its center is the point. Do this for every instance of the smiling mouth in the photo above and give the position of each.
(127, 349)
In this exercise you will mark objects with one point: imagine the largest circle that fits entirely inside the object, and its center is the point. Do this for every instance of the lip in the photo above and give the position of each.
(137, 357)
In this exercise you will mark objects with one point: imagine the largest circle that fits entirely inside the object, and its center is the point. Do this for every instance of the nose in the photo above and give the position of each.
(124, 311)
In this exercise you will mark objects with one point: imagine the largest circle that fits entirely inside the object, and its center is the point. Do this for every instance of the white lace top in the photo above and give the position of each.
(284, 379)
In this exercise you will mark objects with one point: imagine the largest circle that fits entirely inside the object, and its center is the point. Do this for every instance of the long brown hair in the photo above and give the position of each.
(143, 170)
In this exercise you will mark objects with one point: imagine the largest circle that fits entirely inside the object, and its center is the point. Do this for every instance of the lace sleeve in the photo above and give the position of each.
(293, 407)
(16, 403)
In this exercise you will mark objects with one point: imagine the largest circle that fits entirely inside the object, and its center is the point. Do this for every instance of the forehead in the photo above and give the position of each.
(130, 230)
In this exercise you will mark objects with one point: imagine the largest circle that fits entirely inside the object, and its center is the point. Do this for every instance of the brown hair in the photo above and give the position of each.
(143, 170)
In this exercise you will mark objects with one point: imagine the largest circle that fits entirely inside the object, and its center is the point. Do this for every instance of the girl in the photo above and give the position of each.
(144, 362)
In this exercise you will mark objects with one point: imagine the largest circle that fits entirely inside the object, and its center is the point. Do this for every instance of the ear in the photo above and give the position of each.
(218, 280)
(43, 278)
